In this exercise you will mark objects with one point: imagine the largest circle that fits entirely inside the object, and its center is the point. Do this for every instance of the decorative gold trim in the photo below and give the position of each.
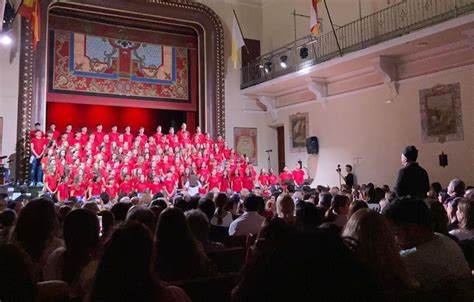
(25, 102)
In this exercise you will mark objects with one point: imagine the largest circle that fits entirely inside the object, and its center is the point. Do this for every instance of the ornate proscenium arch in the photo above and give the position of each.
(184, 13)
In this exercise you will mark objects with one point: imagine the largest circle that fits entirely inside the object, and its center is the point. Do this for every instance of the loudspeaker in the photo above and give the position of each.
(312, 145)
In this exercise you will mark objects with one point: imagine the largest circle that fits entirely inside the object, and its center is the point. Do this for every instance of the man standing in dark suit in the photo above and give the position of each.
(412, 179)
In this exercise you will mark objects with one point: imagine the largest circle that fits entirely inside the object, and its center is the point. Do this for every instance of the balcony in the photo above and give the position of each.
(392, 22)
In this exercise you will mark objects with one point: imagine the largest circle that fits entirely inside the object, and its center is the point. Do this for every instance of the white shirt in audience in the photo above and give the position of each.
(462, 234)
(248, 223)
(226, 220)
(436, 261)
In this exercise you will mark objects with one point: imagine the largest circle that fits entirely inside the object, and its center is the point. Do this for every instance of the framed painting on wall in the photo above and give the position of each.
(299, 131)
(245, 143)
(441, 114)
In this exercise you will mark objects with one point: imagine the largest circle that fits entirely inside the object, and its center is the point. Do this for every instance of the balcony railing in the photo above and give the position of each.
(394, 21)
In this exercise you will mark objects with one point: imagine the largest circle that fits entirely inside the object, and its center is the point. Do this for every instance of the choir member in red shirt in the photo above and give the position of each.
(111, 188)
(127, 136)
(99, 135)
(236, 182)
(201, 139)
(95, 187)
(142, 136)
(248, 180)
(84, 136)
(204, 188)
(78, 188)
(285, 176)
(51, 182)
(37, 128)
(142, 184)
(38, 148)
(56, 133)
(63, 190)
(126, 186)
(263, 179)
(272, 178)
(169, 185)
(181, 132)
(155, 186)
(214, 181)
(225, 181)
(113, 135)
(298, 175)
(69, 133)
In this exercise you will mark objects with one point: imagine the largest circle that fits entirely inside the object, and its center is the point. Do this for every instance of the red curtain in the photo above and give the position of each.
(80, 115)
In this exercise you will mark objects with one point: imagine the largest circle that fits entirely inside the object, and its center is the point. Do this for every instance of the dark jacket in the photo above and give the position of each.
(412, 180)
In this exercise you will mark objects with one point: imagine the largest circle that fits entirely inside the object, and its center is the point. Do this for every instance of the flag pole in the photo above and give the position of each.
(332, 25)
(241, 32)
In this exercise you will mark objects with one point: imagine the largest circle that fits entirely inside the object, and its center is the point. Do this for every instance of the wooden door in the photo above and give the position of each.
(281, 149)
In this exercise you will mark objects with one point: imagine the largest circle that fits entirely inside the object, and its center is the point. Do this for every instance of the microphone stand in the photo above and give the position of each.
(269, 162)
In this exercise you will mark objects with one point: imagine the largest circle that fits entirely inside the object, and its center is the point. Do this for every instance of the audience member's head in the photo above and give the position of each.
(177, 254)
(251, 203)
(374, 244)
(465, 213)
(325, 200)
(120, 211)
(308, 215)
(286, 208)
(412, 222)
(304, 267)
(142, 215)
(199, 224)
(409, 154)
(356, 205)
(35, 227)
(439, 216)
(125, 270)
(456, 188)
(208, 207)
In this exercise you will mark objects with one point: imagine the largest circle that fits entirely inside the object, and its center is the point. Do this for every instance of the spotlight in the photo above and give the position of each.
(284, 61)
(304, 53)
(5, 39)
(268, 67)
(260, 66)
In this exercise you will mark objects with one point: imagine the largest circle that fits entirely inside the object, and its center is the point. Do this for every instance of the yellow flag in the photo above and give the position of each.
(237, 41)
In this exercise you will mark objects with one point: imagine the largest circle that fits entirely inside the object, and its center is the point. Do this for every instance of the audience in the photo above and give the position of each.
(375, 248)
(178, 256)
(120, 248)
(35, 233)
(125, 272)
(337, 212)
(286, 209)
(199, 225)
(434, 259)
(250, 221)
(221, 217)
(75, 263)
(465, 216)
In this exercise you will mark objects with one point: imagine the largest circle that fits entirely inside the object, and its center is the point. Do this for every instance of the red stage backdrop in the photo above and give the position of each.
(79, 115)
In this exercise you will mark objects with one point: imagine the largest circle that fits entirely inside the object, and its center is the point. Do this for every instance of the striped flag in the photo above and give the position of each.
(30, 9)
(237, 40)
(314, 23)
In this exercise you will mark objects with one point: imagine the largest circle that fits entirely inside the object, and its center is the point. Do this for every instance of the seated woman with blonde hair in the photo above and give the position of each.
(375, 248)
(285, 207)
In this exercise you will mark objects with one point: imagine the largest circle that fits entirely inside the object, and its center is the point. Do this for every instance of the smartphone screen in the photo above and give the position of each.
(100, 224)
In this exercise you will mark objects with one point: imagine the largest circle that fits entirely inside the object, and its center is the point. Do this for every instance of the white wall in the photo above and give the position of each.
(251, 23)
(278, 21)
(9, 72)
(362, 130)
